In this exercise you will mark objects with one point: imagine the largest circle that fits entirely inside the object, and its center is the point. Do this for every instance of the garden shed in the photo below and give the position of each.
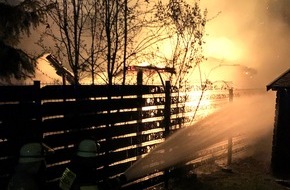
(280, 161)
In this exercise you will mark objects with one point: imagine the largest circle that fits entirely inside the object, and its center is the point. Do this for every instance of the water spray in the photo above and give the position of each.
(251, 116)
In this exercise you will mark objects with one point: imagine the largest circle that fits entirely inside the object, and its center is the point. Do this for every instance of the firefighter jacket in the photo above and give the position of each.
(28, 176)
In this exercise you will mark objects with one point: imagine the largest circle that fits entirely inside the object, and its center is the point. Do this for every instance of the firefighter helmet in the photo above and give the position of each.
(88, 148)
(31, 152)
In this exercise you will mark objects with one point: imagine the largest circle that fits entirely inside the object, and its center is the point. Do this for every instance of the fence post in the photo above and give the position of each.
(139, 110)
(231, 94)
(167, 107)
(230, 151)
(166, 123)
(38, 128)
(230, 139)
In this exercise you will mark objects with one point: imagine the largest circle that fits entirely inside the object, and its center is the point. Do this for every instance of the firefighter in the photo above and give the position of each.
(30, 170)
(81, 173)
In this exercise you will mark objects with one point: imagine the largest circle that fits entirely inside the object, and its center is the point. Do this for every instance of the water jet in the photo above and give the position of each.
(251, 116)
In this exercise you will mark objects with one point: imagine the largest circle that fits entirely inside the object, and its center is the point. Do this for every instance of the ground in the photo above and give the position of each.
(247, 173)
(249, 170)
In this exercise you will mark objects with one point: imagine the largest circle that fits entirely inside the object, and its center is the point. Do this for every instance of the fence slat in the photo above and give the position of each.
(86, 106)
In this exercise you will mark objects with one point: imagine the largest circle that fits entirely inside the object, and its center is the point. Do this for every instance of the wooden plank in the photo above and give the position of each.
(65, 139)
(69, 138)
(119, 143)
(55, 171)
(22, 110)
(121, 130)
(146, 183)
(21, 131)
(18, 93)
(115, 157)
(86, 91)
(87, 106)
(60, 155)
(85, 121)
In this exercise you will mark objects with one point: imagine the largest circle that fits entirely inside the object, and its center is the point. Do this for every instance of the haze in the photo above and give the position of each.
(254, 33)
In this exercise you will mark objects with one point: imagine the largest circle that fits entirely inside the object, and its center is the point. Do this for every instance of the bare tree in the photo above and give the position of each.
(185, 25)
(100, 38)
(96, 46)
(121, 22)
(67, 29)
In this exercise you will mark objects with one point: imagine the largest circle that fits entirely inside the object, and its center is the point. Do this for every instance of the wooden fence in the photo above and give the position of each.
(127, 121)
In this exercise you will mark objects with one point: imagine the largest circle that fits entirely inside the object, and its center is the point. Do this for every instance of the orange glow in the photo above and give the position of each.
(195, 100)
(223, 48)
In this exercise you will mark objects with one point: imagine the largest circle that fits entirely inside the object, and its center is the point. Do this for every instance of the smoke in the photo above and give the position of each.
(252, 33)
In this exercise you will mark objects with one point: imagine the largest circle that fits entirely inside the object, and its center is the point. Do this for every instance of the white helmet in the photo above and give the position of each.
(88, 148)
(31, 152)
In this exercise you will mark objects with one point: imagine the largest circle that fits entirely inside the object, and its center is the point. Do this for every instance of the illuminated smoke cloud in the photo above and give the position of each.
(253, 33)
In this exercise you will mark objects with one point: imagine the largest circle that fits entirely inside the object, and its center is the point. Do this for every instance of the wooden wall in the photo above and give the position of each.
(281, 142)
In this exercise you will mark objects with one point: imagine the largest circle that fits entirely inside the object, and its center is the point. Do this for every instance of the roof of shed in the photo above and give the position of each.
(283, 81)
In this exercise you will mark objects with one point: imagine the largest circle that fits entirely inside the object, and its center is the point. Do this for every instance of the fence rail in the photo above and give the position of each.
(127, 121)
